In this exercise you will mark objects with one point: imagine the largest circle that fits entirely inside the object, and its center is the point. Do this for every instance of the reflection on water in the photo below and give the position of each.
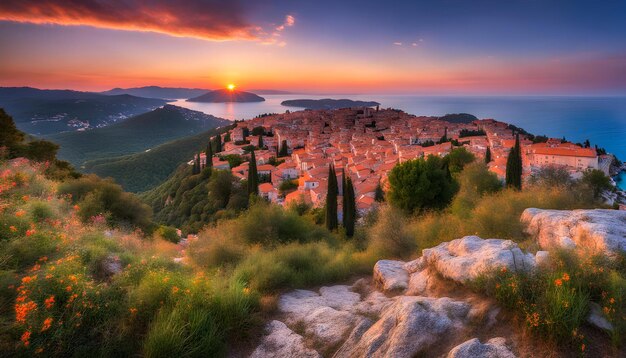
(601, 120)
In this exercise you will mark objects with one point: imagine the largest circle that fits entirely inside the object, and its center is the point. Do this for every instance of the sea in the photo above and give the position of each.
(602, 120)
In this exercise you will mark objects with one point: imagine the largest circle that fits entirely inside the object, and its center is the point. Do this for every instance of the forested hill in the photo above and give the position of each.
(134, 135)
(141, 171)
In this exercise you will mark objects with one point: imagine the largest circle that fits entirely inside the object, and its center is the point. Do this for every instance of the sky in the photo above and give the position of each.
(475, 47)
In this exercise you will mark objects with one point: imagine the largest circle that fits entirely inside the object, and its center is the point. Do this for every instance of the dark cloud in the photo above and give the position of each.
(205, 19)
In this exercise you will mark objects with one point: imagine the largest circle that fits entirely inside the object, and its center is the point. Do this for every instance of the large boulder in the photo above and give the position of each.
(410, 326)
(494, 348)
(281, 342)
(598, 231)
(391, 276)
(465, 259)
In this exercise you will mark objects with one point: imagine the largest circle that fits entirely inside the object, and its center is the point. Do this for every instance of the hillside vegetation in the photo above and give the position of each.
(133, 135)
(143, 171)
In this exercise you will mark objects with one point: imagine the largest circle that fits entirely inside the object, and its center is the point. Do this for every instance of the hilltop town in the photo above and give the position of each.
(366, 143)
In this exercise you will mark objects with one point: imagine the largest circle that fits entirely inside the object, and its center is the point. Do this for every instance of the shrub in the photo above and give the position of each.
(389, 236)
(168, 233)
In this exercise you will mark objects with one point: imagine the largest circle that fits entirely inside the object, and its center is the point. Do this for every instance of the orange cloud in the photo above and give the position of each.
(208, 20)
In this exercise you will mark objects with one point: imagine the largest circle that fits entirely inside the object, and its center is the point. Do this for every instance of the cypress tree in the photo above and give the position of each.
(260, 141)
(284, 151)
(488, 155)
(514, 166)
(209, 156)
(253, 177)
(331, 200)
(227, 137)
(349, 211)
(218, 143)
(196, 164)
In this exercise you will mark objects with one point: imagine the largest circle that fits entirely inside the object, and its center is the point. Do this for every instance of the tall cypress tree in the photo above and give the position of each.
(196, 164)
(209, 156)
(218, 143)
(331, 200)
(260, 141)
(488, 155)
(284, 150)
(514, 166)
(253, 176)
(349, 210)
(379, 194)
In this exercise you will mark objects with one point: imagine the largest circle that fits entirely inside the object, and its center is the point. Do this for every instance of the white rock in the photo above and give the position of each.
(465, 259)
(597, 318)
(328, 326)
(414, 266)
(419, 283)
(391, 276)
(281, 342)
(408, 327)
(598, 230)
(542, 258)
(494, 348)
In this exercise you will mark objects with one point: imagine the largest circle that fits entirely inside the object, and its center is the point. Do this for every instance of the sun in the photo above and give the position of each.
(231, 87)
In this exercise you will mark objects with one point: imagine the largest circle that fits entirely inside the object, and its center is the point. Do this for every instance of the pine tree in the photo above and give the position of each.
(488, 155)
(196, 164)
(253, 176)
(260, 141)
(514, 166)
(349, 208)
(209, 156)
(284, 150)
(331, 200)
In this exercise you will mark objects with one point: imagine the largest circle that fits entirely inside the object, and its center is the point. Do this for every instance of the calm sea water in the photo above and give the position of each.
(602, 120)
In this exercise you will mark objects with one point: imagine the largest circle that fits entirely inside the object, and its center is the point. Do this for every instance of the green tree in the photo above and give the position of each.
(41, 150)
(458, 158)
(261, 141)
(196, 164)
(217, 144)
(444, 138)
(284, 150)
(596, 181)
(227, 137)
(253, 176)
(421, 184)
(349, 207)
(488, 156)
(209, 156)
(10, 136)
(514, 166)
(331, 200)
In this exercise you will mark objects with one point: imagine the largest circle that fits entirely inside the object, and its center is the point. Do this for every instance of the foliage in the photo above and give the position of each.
(595, 180)
(253, 176)
(514, 166)
(349, 207)
(488, 155)
(470, 133)
(287, 186)
(551, 175)
(167, 233)
(331, 200)
(145, 170)
(421, 184)
(94, 196)
(389, 236)
(458, 158)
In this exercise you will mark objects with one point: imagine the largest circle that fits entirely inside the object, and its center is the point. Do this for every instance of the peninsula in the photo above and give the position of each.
(327, 103)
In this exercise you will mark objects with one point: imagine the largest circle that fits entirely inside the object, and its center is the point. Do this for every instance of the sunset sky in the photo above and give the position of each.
(420, 47)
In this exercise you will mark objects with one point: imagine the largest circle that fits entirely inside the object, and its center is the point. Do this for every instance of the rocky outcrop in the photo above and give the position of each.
(494, 348)
(467, 258)
(282, 342)
(408, 327)
(391, 276)
(597, 231)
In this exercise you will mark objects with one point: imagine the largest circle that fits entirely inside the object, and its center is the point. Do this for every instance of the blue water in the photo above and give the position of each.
(602, 120)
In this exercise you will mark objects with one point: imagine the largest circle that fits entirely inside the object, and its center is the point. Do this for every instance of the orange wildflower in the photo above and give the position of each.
(612, 300)
(46, 324)
(38, 350)
(30, 232)
(12, 228)
(68, 288)
(174, 289)
(49, 302)
(20, 213)
(23, 309)
(133, 311)
(565, 277)
(558, 282)
(25, 338)
(582, 347)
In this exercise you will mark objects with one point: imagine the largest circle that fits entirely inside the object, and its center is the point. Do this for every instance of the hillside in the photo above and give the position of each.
(224, 95)
(327, 103)
(141, 171)
(44, 112)
(458, 118)
(158, 92)
(133, 135)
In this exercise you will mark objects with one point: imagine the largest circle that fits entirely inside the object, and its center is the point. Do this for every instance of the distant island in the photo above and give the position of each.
(327, 103)
(226, 95)
(465, 118)
(158, 92)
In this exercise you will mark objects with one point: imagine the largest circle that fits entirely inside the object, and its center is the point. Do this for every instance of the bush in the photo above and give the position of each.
(389, 236)
(596, 181)
(168, 233)
(421, 184)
